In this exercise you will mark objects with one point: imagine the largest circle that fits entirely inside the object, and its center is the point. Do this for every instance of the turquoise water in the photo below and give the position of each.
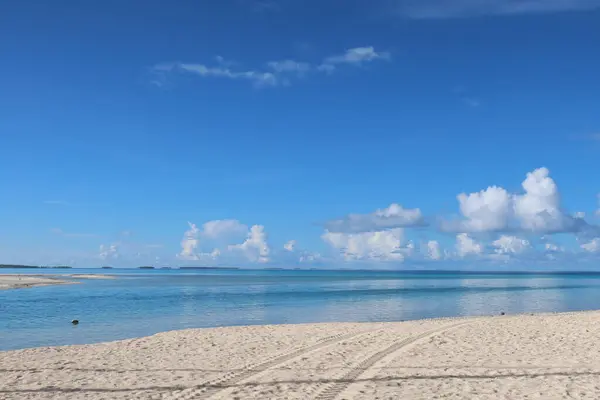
(143, 302)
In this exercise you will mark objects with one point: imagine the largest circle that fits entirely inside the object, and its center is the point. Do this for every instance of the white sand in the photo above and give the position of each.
(513, 357)
(29, 281)
(21, 281)
(90, 276)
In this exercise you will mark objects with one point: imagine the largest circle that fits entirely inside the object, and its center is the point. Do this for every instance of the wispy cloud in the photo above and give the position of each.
(257, 77)
(466, 97)
(290, 66)
(471, 102)
(275, 73)
(60, 232)
(439, 9)
(357, 55)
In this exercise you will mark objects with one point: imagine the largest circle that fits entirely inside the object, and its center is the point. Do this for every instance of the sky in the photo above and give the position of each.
(384, 134)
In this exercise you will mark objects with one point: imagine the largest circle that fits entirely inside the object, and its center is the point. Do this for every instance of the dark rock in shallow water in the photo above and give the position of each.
(75, 321)
(502, 313)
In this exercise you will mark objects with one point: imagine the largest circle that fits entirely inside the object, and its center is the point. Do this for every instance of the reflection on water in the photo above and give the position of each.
(143, 304)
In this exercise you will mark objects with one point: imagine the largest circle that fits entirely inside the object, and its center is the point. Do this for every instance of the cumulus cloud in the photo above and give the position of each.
(537, 210)
(223, 227)
(380, 246)
(592, 246)
(394, 216)
(439, 9)
(275, 72)
(189, 243)
(488, 210)
(510, 245)
(466, 245)
(255, 247)
(290, 246)
(433, 250)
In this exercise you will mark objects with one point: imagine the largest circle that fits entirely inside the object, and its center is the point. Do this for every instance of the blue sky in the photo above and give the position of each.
(270, 133)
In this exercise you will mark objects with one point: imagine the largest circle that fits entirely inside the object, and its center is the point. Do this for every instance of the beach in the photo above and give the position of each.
(546, 356)
(23, 281)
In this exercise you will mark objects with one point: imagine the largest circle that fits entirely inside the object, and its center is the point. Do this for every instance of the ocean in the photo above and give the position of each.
(144, 302)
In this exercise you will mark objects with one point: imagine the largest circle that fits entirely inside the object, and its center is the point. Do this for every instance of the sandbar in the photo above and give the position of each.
(23, 281)
(29, 281)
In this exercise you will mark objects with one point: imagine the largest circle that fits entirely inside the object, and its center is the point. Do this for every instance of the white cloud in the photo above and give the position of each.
(189, 243)
(488, 210)
(290, 246)
(255, 247)
(290, 66)
(259, 78)
(308, 257)
(277, 73)
(108, 252)
(510, 245)
(553, 248)
(433, 250)
(327, 68)
(223, 228)
(394, 216)
(466, 245)
(592, 246)
(537, 210)
(435, 9)
(357, 55)
(380, 246)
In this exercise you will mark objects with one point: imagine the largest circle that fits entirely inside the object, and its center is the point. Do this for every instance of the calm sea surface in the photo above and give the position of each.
(143, 302)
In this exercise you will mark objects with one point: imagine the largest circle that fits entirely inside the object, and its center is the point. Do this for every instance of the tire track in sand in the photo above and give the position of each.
(212, 386)
(334, 389)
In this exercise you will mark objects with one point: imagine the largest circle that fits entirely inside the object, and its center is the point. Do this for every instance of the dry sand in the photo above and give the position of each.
(21, 281)
(28, 281)
(89, 276)
(512, 357)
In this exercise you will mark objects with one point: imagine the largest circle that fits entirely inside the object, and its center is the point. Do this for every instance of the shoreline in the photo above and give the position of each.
(546, 355)
(27, 281)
